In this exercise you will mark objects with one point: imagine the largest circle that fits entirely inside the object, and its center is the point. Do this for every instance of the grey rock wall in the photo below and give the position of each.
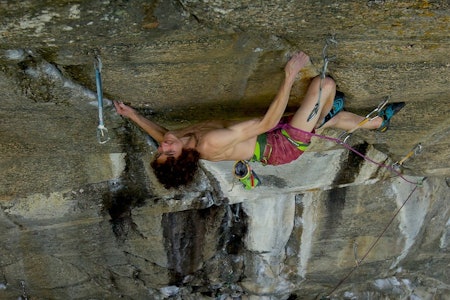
(80, 220)
(220, 240)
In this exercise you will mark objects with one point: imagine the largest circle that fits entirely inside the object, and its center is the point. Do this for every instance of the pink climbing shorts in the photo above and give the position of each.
(284, 143)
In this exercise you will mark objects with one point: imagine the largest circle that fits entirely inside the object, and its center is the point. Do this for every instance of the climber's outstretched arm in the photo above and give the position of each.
(154, 130)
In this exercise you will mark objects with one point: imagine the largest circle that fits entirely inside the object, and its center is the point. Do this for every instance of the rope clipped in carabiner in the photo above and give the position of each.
(398, 165)
(102, 132)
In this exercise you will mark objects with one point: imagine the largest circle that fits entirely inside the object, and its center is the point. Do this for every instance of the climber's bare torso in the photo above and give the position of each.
(216, 140)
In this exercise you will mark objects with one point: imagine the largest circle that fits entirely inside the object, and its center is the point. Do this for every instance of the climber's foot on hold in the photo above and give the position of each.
(387, 113)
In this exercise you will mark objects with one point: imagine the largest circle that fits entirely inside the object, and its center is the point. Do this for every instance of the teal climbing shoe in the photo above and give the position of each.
(388, 112)
(338, 106)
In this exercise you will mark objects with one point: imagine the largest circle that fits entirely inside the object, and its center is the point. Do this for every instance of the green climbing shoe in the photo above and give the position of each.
(388, 112)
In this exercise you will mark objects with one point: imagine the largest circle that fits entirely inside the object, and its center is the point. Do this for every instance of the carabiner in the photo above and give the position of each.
(416, 150)
(102, 134)
(378, 109)
(344, 136)
(330, 40)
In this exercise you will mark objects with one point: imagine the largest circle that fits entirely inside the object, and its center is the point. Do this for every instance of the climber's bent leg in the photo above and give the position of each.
(300, 118)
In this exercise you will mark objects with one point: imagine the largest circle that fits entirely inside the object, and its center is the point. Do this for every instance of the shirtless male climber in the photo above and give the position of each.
(269, 139)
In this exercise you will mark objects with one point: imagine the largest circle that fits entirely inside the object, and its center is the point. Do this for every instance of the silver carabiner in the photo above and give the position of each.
(102, 134)
(344, 136)
(416, 150)
(378, 109)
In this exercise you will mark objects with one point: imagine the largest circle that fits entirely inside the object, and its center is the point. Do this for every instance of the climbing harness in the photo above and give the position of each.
(300, 146)
(102, 132)
(398, 165)
(326, 59)
(240, 169)
(261, 146)
(244, 173)
(369, 117)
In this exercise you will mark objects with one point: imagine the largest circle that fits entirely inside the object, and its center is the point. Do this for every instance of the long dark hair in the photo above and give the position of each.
(177, 171)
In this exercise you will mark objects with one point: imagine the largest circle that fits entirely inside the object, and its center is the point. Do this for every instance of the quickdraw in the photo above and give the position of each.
(398, 165)
(102, 132)
(369, 117)
(326, 59)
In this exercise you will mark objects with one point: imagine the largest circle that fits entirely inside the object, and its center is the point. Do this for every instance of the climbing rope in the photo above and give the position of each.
(358, 262)
(102, 132)
(392, 168)
(326, 59)
(348, 147)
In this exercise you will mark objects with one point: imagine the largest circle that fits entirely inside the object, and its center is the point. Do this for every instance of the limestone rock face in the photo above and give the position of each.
(83, 220)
